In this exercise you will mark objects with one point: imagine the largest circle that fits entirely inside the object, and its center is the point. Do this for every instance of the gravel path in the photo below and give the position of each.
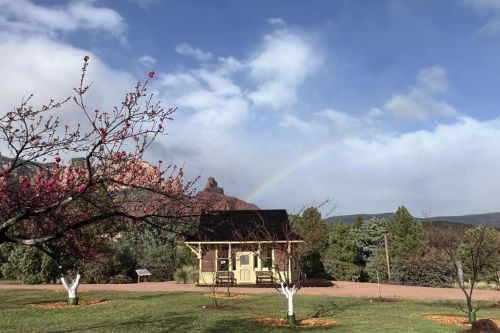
(341, 289)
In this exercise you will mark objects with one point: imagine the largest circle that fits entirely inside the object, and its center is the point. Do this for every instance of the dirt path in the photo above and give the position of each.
(341, 289)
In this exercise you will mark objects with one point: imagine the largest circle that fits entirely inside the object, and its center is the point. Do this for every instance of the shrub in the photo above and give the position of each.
(160, 260)
(29, 265)
(425, 268)
(186, 274)
(104, 269)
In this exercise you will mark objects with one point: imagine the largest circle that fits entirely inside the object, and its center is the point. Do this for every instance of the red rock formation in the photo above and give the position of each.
(213, 198)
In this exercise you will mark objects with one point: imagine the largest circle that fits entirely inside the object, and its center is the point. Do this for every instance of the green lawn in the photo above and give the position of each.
(184, 312)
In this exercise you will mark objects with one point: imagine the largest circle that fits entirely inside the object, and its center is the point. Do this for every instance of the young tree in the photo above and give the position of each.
(287, 251)
(42, 199)
(476, 252)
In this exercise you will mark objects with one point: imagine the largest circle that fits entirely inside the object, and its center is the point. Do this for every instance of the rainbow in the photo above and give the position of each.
(283, 173)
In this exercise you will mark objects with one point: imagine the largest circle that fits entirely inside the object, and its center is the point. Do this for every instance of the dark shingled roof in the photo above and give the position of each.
(244, 225)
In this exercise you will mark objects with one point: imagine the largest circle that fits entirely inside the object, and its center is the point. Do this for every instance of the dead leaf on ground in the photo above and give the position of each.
(455, 320)
(305, 323)
(224, 296)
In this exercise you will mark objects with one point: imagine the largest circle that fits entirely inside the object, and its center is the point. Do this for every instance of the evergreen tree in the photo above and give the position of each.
(404, 233)
(339, 257)
(312, 228)
(368, 237)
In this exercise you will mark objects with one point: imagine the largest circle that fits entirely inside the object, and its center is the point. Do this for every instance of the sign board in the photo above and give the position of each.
(142, 272)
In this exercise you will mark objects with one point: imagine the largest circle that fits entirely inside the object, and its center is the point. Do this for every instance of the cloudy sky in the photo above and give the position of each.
(372, 104)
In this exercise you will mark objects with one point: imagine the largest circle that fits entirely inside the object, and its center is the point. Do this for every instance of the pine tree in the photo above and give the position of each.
(404, 233)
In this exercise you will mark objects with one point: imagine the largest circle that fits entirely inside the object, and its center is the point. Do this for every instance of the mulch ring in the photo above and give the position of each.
(455, 320)
(224, 296)
(64, 304)
(304, 323)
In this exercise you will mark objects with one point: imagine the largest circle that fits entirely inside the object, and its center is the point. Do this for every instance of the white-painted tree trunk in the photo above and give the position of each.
(285, 290)
(72, 289)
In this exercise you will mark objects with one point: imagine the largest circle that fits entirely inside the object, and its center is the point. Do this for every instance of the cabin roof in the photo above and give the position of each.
(244, 225)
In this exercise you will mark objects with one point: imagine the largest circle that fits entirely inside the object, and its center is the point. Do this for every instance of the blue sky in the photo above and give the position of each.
(372, 104)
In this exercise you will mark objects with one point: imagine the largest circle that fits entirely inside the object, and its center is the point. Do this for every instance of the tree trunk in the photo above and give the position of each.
(470, 311)
(289, 296)
(72, 289)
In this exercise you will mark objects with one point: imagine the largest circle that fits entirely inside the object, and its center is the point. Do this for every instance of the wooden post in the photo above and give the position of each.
(289, 270)
(387, 258)
(230, 258)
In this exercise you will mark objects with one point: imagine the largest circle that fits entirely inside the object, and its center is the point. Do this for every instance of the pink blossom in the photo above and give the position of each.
(102, 133)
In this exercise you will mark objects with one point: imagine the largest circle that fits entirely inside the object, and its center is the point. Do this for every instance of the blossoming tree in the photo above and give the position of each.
(52, 200)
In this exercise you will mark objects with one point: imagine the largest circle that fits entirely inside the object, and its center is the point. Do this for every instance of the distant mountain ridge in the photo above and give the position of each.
(491, 219)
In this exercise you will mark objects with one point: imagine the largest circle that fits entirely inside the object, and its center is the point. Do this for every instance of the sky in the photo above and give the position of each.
(288, 103)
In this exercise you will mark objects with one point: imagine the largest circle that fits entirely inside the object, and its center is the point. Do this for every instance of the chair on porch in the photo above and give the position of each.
(224, 277)
(264, 277)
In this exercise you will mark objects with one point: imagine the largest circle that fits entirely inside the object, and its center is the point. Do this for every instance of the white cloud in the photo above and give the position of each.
(281, 66)
(444, 169)
(374, 112)
(146, 4)
(422, 102)
(490, 8)
(50, 69)
(215, 95)
(26, 17)
(434, 79)
(216, 101)
(276, 21)
(147, 61)
(186, 49)
(340, 119)
(291, 121)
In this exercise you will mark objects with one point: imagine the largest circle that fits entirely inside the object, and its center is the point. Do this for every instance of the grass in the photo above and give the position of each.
(185, 312)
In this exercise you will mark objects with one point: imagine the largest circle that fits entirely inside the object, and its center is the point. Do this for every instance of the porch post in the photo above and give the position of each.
(259, 259)
(230, 257)
(289, 262)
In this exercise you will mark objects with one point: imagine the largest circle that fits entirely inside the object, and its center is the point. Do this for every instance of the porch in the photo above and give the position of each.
(263, 263)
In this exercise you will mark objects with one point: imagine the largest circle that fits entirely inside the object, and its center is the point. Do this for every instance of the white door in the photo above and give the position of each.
(244, 267)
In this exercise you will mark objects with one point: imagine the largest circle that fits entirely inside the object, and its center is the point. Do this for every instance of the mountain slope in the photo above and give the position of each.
(491, 219)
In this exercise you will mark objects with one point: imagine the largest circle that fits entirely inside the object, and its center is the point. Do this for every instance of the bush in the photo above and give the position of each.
(186, 274)
(426, 268)
(105, 268)
(342, 271)
(160, 260)
(28, 265)
(150, 250)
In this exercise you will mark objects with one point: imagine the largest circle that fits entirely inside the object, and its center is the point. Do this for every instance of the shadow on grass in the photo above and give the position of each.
(460, 305)
(331, 308)
(171, 323)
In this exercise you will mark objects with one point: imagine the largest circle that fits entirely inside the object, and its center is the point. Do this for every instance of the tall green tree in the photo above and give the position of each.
(313, 230)
(368, 237)
(405, 234)
(339, 257)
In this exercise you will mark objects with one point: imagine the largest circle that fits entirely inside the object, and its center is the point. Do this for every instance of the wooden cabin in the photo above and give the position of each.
(246, 247)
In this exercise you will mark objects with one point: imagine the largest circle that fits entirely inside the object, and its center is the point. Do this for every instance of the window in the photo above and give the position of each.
(222, 264)
(267, 257)
(223, 258)
(244, 260)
